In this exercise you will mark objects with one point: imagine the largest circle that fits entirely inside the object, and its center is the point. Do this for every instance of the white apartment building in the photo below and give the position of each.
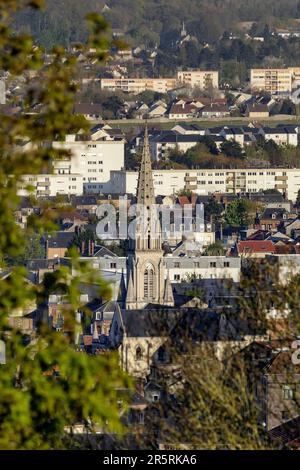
(275, 80)
(92, 159)
(208, 181)
(204, 267)
(45, 185)
(135, 86)
(194, 78)
(203, 79)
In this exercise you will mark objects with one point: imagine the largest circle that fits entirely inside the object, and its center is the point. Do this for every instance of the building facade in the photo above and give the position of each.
(208, 181)
(274, 80)
(92, 159)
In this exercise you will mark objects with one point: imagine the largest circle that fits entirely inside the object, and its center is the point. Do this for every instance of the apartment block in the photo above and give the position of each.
(208, 181)
(203, 79)
(272, 80)
(46, 185)
(92, 159)
(135, 86)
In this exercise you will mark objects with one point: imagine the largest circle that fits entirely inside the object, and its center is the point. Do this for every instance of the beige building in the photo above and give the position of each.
(275, 80)
(135, 86)
(203, 79)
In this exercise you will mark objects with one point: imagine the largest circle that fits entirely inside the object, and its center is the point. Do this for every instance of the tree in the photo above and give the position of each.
(237, 214)
(46, 385)
(215, 249)
(231, 148)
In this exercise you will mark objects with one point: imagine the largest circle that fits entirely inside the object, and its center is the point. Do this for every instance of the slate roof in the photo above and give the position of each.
(60, 240)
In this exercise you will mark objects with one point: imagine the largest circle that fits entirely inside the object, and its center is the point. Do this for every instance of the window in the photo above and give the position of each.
(213, 264)
(176, 265)
(138, 354)
(149, 282)
(176, 277)
(288, 392)
(226, 264)
(113, 265)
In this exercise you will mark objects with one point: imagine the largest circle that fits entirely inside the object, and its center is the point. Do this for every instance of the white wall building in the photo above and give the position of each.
(207, 181)
(52, 185)
(92, 159)
(205, 267)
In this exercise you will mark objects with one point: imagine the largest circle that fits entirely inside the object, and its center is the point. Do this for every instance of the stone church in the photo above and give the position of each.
(147, 282)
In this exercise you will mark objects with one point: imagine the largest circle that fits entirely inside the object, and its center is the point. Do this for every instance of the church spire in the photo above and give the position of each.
(145, 188)
(130, 297)
(168, 294)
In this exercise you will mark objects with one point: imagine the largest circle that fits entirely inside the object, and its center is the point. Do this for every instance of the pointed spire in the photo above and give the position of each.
(145, 188)
(122, 291)
(95, 332)
(130, 290)
(168, 294)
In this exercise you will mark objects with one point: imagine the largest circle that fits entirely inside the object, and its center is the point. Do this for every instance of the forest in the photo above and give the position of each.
(153, 21)
(216, 29)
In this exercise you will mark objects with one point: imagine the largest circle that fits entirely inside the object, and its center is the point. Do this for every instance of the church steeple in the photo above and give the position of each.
(148, 227)
(145, 275)
(145, 188)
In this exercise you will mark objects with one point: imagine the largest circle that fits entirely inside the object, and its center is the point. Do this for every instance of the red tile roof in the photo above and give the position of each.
(255, 246)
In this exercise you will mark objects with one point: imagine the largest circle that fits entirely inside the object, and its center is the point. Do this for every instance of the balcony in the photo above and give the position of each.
(281, 178)
(191, 187)
(189, 179)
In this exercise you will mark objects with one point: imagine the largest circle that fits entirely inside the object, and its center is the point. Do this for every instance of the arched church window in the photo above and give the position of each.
(149, 282)
(138, 354)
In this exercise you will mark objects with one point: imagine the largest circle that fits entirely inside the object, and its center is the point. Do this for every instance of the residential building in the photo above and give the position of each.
(138, 85)
(274, 81)
(258, 111)
(180, 268)
(209, 181)
(215, 111)
(203, 79)
(280, 135)
(93, 159)
(45, 185)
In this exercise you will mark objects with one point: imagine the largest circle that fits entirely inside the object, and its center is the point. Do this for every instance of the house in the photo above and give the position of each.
(271, 218)
(255, 248)
(275, 381)
(215, 111)
(57, 244)
(89, 110)
(157, 110)
(280, 135)
(257, 111)
(233, 134)
(188, 129)
(183, 110)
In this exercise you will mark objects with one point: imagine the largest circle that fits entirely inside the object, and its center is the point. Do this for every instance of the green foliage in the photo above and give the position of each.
(232, 149)
(45, 385)
(215, 249)
(237, 213)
